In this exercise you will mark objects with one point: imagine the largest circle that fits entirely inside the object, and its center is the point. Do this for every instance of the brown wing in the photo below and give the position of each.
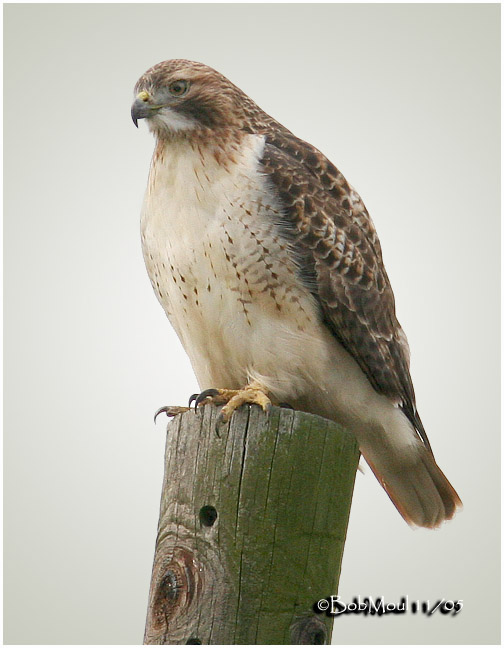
(340, 260)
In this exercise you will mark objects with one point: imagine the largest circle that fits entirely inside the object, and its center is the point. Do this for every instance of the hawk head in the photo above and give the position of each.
(180, 97)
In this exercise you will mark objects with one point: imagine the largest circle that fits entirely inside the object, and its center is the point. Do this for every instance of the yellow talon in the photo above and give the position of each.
(254, 393)
(251, 395)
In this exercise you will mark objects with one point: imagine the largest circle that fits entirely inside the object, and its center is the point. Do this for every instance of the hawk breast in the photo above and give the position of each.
(221, 267)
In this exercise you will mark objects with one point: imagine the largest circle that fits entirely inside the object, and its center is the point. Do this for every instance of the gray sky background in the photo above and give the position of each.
(404, 99)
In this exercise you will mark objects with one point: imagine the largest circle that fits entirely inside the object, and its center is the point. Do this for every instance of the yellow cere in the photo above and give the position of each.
(144, 96)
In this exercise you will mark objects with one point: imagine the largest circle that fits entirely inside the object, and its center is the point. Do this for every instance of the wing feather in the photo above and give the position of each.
(340, 259)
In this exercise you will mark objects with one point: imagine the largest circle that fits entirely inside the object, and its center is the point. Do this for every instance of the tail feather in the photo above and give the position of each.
(419, 490)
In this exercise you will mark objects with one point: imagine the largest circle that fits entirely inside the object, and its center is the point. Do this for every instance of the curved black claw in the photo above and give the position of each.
(205, 394)
(192, 399)
(219, 422)
(285, 406)
(164, 409)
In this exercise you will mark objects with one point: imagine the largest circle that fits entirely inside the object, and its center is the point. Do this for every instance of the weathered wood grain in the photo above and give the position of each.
(252, 527)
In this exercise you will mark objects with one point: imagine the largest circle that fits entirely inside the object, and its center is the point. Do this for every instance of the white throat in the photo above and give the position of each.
(168, 120)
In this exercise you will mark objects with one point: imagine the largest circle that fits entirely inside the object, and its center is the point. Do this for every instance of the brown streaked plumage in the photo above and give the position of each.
(249, 232)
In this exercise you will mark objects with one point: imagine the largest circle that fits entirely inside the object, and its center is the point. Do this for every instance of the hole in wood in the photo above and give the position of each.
(208, 515)
(194, 640)
(308, 630)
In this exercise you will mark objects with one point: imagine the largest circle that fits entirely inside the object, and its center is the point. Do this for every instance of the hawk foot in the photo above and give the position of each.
(232, 399)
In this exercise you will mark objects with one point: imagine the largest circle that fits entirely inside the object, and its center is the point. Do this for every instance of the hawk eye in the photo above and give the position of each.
(178, 88)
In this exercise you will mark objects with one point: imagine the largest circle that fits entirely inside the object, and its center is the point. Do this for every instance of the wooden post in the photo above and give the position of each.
(251, 529)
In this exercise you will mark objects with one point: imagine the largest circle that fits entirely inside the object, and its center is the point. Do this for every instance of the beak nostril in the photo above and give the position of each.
(143, 96)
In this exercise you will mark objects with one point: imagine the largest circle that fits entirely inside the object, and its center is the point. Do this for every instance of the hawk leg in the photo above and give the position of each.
(253, 393)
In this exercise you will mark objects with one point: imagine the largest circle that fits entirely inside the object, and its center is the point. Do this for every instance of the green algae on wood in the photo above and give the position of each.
(252, 528)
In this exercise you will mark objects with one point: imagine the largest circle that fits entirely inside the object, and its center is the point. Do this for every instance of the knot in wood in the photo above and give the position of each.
(178, 584)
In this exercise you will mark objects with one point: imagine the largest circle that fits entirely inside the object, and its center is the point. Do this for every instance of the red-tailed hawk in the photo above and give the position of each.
(270, 270)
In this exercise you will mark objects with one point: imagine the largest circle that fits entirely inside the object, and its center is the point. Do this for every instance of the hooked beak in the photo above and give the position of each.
(142, 107)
